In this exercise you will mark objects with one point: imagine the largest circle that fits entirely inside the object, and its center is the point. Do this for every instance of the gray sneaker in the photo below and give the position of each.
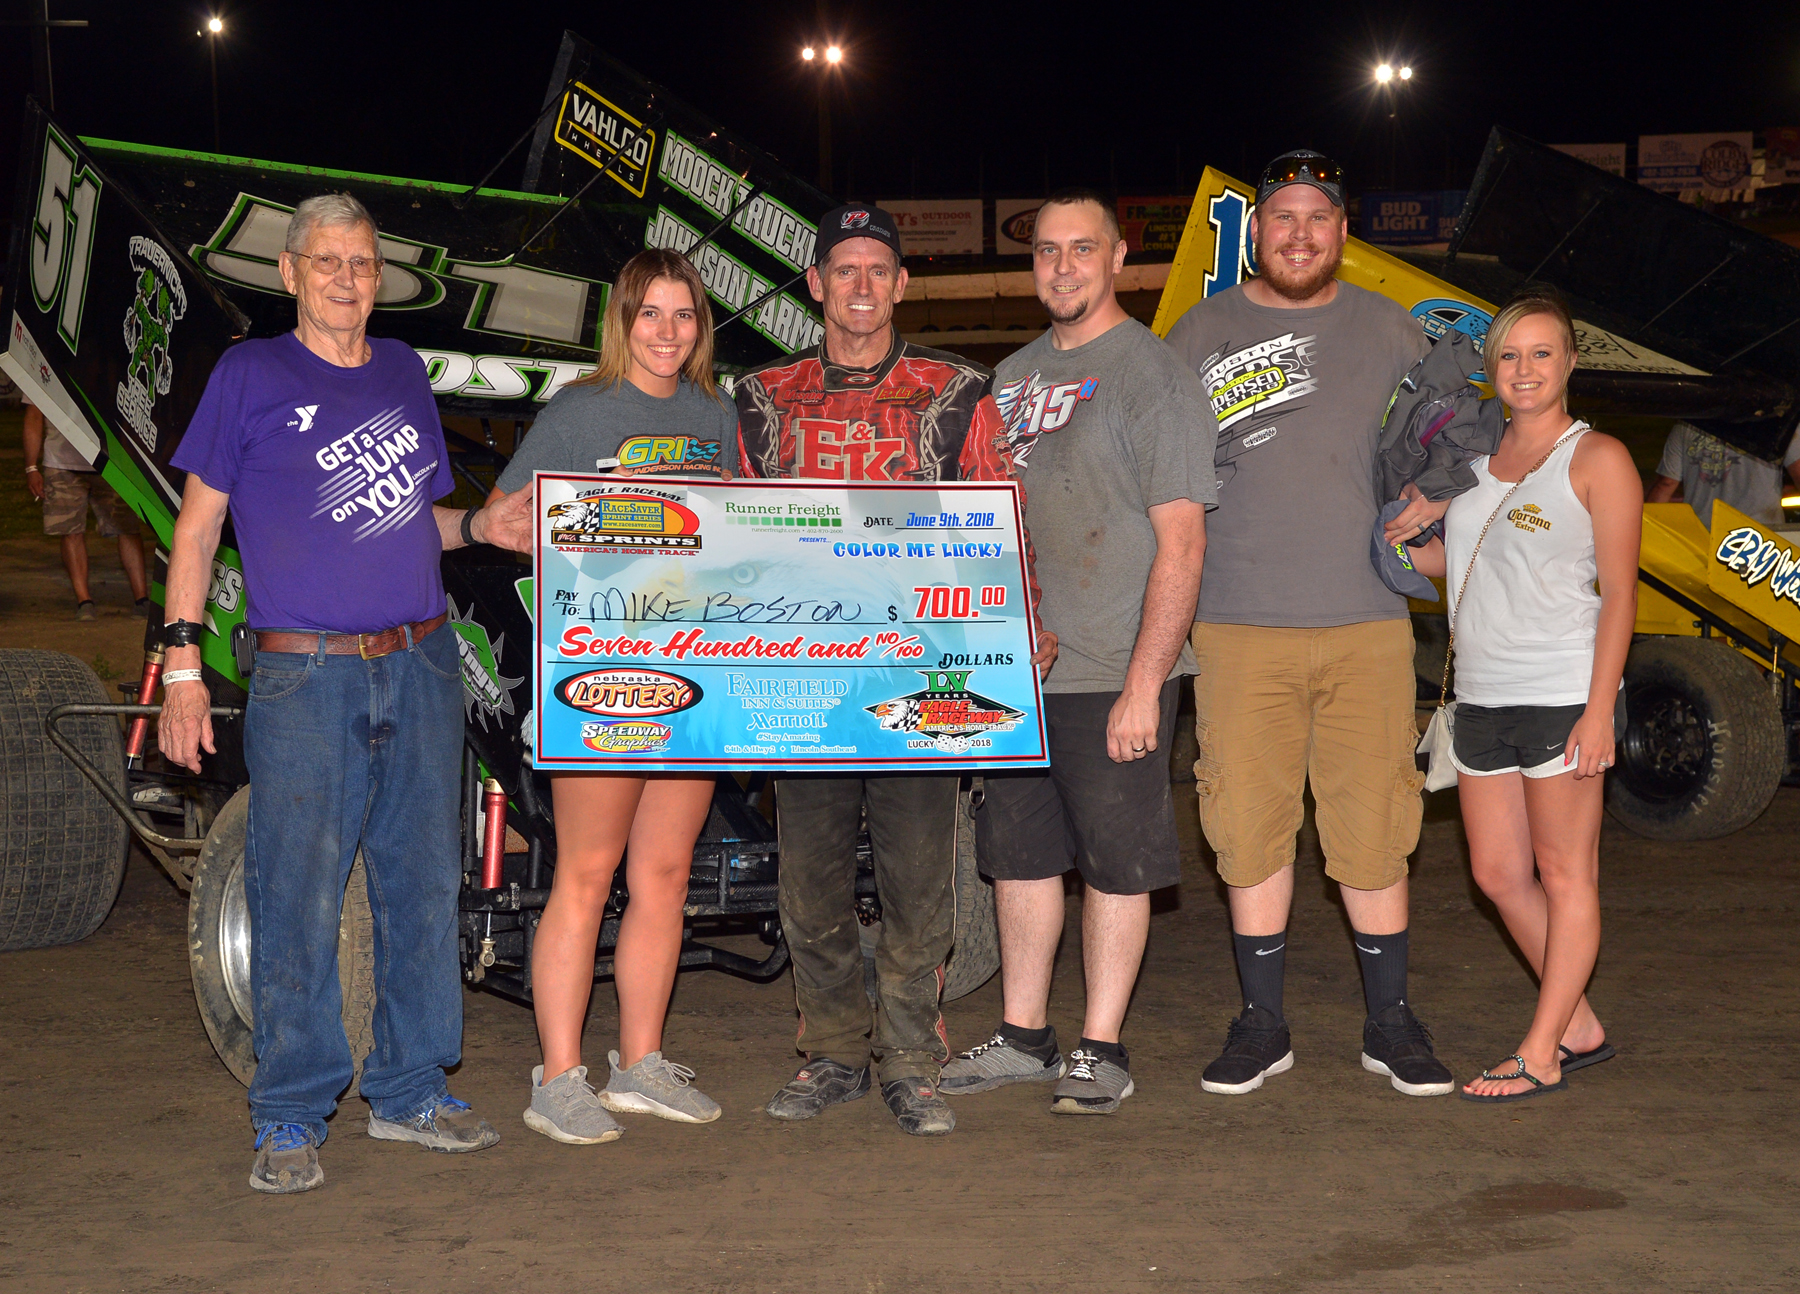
(656, 1086)
(1095, 1085)
(287, 1160)
(997, 1062)
(450, 1126)
(565, 1109)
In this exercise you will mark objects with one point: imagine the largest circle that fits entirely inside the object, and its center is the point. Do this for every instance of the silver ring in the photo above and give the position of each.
(1140, 749)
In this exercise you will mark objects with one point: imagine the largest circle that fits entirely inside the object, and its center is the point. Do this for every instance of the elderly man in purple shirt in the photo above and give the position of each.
(325, 446)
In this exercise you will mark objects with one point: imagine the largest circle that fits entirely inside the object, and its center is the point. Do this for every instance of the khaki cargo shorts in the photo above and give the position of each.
(67, 497)
(1279, 706)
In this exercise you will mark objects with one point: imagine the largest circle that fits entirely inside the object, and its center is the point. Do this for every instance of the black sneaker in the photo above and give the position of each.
(917, 1107)
(1397, 1043)
(818, 1083)
(1256, 1046)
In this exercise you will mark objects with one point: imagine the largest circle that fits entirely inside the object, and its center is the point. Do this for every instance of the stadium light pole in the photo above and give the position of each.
(215, 27)
(1389, 80)
(826, 60)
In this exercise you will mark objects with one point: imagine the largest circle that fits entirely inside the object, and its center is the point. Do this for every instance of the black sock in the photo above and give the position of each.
(1262, 966)
(1383, 968)
(1033, 1042)
(1111, 1050)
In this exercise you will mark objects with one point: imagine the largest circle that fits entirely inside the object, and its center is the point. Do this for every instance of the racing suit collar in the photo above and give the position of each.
(841, 377)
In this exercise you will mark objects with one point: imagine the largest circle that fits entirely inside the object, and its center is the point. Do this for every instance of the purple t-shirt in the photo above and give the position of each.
(331, 473)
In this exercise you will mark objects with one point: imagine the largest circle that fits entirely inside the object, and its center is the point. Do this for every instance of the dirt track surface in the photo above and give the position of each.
(1670, 1168)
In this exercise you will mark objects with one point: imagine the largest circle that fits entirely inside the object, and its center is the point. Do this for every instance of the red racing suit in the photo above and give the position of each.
(918, 415)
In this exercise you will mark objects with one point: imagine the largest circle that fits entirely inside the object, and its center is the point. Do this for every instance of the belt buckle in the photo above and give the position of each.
(362, 646)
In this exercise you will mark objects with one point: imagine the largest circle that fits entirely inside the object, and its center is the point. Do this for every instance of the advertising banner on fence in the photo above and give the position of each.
(1014, 219)
(1781, 151)
(781, 624)
(1400, 219)
(1673, 163)
(938, 228)
(1608, 157)
(1153, 224)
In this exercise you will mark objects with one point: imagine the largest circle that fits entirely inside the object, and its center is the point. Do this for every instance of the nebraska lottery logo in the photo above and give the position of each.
(628, 693)
(626, 736)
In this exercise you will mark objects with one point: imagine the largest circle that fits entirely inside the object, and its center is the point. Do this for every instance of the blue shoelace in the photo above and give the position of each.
(287, 1136)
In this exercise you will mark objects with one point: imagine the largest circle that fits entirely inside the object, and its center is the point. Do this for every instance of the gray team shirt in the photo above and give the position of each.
(1101, 434)
(1306, 390)
(1710, 469)
(622, 430)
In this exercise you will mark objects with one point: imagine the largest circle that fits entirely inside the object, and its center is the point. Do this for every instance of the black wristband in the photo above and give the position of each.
(468, 522)
(181, 633)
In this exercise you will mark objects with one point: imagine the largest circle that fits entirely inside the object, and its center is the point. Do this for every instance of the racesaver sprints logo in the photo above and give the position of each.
(618, 520)
(628, 693)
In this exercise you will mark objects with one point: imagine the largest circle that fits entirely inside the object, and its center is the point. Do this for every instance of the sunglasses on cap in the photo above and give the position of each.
(1302, 169)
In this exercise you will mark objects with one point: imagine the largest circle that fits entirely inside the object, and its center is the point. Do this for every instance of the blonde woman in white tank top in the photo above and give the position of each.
(1539, 656)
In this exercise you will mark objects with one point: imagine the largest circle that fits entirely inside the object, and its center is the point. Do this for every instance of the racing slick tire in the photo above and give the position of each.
(1704, 747)
(62, 848)
(219, 942)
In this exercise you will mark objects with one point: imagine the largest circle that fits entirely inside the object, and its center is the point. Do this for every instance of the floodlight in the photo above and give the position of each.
(833, 54)
(215, 25)
(1384, 74)
(1406, 74)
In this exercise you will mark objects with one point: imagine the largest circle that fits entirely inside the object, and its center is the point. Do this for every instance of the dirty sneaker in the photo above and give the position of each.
(86, 610)
(818, 1083)
(656, 1086)
(1256, 1045)
(449, 1126)
(287, 1160)
(1095, 1084)
(917, 1107)
(999, 1061)
(565, 1109)
(1396, 1043)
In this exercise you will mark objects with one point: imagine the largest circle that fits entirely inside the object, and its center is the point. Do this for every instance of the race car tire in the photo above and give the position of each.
(1704, 747)
(219, 943)
(62, 848)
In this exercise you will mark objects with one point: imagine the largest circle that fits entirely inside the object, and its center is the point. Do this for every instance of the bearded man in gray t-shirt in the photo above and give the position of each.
(1304, 657)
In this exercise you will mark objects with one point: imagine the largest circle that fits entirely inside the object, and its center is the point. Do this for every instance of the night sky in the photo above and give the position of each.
(944, 99)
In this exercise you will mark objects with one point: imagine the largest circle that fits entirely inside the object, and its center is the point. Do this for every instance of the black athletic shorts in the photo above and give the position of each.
(1115, 822)
(1528, 739)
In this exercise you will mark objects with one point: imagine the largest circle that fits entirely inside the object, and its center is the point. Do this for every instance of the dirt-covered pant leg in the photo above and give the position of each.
(912, 826)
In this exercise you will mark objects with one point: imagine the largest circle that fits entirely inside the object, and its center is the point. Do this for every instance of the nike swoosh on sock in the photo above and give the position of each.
(1373, 952)
(1270, 952)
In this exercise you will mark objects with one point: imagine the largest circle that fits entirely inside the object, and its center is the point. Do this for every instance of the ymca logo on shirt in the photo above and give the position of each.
(1029, 408)
(1259, 378)
(369, 481)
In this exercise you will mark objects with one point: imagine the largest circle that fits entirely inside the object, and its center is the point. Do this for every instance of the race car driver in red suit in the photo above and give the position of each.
(867, 406)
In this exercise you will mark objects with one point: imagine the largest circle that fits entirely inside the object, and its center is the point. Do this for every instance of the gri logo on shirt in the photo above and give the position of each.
(305, 420)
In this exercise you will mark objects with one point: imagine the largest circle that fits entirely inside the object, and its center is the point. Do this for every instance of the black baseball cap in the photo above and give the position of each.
(1303, 166)
(855, 220)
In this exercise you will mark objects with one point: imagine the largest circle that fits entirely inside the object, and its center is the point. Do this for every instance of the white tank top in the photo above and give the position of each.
(1525, 628)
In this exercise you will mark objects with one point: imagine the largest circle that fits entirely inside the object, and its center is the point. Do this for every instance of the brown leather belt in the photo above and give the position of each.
(368, 646)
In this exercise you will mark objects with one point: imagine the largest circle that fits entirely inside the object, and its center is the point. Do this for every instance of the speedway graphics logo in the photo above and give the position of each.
(614, 519)
(628, 693)
(1029, 408)
(161, 300)
(486, 691)
(626, 736)
(1260, 378)
(945, 715)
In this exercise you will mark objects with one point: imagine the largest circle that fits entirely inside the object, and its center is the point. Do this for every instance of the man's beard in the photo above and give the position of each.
(1064, 311)
(1297, 285)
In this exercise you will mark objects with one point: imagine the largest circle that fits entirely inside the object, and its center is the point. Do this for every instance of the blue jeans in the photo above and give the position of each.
(345, 752)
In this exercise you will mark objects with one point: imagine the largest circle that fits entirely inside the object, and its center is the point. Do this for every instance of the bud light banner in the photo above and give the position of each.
(780, 624)
(1408, 219)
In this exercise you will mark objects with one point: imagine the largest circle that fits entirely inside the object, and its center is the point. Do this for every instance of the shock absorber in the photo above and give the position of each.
(140, 727)
(493, 836)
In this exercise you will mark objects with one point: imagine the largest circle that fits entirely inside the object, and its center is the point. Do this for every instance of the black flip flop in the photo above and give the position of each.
(1572, 1060)
(1538, 1086)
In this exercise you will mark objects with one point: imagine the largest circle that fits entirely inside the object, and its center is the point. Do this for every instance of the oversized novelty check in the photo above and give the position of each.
(782, 624)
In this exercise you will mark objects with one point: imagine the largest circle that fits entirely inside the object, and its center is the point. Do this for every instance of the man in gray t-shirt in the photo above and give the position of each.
(1704, 468)
(1113, 439)
(1304, 658)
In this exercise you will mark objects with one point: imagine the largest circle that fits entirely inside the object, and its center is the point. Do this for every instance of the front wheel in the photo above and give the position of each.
(1704, 747)
(220, 939)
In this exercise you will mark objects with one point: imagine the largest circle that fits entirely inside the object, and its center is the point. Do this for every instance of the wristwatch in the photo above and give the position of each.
(468, 524)
(181, 633)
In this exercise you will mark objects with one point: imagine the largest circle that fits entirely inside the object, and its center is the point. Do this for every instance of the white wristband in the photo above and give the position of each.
(181, 676)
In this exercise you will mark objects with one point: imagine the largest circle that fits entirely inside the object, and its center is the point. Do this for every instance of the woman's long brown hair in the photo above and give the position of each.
(623, 304)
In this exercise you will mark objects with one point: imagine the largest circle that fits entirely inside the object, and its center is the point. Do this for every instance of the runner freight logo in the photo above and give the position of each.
(626, 736)
(628, 693)
(486, 691)
(160, 302)
(644, 521)
(945, 715)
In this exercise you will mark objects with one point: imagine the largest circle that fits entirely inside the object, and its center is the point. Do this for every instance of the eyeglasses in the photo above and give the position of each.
(1286, 170)
(328, 265)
